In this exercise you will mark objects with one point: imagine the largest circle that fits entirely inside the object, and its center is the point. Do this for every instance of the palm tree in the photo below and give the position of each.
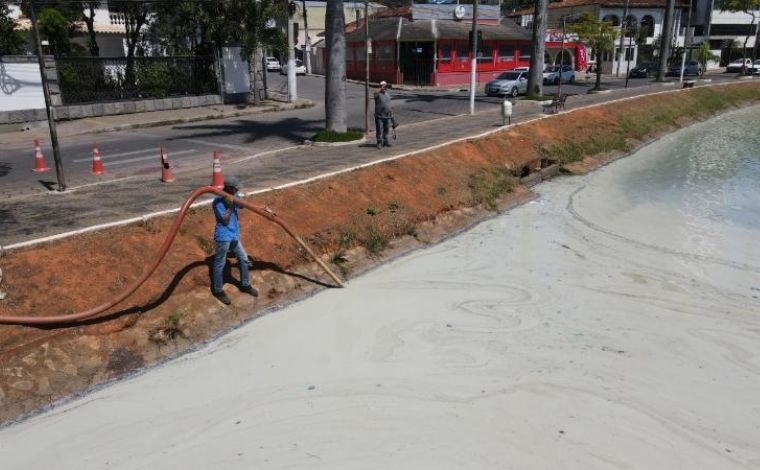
(537, 49)
(666, 39)
(335, 76)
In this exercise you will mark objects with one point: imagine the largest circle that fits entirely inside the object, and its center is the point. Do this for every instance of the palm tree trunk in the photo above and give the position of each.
(335, 76)
(665, 39)
(537, 49)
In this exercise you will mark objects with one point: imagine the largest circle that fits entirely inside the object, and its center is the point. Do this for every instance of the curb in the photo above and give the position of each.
(335, 144)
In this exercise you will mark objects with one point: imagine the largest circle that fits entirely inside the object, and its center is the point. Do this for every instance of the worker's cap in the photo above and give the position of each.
(232, 181)
(383, 83)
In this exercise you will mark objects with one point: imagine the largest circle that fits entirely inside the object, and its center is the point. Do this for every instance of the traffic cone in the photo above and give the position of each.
(39, 159)
(97, 164)
(166, 171)
(217, 179)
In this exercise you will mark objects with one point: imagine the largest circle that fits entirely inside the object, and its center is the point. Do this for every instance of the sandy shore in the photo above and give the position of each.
(580, 331)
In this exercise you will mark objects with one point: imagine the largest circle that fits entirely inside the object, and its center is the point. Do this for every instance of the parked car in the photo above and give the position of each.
(755, 69)
(645, 70)
(691, 67)
(521, 69)
(553, 74)
(738, 65)
(300, 68)
(273, 64)
(508, 83)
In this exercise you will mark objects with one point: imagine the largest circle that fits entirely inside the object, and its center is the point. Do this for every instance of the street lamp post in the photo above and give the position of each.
(48, 104)
(474, 62)
(685, 41)
(561, 56)
(367, 45)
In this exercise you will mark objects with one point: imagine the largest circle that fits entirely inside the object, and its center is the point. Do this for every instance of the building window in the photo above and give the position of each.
(612, 19)
(463, 52)
(360, 55)
(485, 54)
(384, 55)
(349, 55)
(629, 53)
(525, 53)
(445, 54)
(506, 54)
(647, 24)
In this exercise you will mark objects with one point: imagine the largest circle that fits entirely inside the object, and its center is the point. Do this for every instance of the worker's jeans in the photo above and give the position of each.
(220, 259)
(382, 124)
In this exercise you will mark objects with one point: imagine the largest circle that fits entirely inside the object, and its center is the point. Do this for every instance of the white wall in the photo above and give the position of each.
(20, 87)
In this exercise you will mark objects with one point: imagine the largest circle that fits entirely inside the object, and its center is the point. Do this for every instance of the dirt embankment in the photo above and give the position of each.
(354, 220)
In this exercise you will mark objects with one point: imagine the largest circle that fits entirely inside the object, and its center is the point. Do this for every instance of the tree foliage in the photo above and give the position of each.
(750, 7)
(55, 27)
(599, 36)
(198, 28)
(11, 41)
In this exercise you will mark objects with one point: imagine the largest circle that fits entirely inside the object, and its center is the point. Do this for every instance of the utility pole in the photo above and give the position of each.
(561, 56)
(634, 31)
(48, 105)
(474, 62)
(292, 90)
(307, 42)
(623, 29)
(367, 45)
(685, 42)
(665, 39)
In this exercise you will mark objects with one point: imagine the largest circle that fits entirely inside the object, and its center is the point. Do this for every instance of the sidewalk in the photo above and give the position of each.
(152, 119)
(52, 213)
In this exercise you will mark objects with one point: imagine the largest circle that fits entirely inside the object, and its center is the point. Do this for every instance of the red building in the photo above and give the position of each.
(429, 45)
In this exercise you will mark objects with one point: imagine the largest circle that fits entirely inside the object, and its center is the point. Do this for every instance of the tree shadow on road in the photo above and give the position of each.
(292, 129)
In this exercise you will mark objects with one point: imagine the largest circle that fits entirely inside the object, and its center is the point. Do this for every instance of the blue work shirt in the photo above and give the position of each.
(229, 232)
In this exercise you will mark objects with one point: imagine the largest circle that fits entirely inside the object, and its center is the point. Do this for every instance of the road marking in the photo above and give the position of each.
(214, 144)
(136, 152)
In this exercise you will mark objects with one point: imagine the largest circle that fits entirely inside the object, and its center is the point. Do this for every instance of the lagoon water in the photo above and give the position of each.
(614, 322)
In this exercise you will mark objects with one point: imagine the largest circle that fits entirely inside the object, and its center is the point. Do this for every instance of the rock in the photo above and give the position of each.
(23, 385)
(43, 387)
(30, 360)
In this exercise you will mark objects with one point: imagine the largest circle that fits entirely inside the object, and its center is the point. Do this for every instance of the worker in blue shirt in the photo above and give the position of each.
(227, 237)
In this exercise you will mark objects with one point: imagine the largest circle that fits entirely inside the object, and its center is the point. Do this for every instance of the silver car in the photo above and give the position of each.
(508, 83)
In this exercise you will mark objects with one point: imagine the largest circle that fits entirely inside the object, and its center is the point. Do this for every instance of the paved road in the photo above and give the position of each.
(135, 152)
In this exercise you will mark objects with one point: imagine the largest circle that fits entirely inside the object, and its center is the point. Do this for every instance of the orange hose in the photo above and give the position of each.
(74, 317)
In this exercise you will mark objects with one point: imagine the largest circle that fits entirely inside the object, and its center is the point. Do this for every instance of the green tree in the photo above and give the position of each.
(703, 54)
(55, 27)
(599, 36)
(11, 41)
(749, 7)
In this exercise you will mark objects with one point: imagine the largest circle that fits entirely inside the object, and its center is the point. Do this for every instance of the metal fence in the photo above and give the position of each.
(98, 79)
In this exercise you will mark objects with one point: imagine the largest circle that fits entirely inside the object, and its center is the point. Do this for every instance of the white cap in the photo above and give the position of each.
(383, 83)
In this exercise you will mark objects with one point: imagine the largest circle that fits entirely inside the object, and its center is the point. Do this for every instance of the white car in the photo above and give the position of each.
(273, 64)
(300, 68)
(552, 74)
(508, 83)
(738, 65)
(755, 69)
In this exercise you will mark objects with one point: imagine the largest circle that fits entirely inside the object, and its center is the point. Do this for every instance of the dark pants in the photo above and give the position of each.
(220, 259)
(382, 124)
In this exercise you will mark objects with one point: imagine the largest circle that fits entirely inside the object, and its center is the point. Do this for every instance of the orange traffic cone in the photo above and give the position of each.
(166, 171)
(39, 159)
(97, 164)
(217, 179)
